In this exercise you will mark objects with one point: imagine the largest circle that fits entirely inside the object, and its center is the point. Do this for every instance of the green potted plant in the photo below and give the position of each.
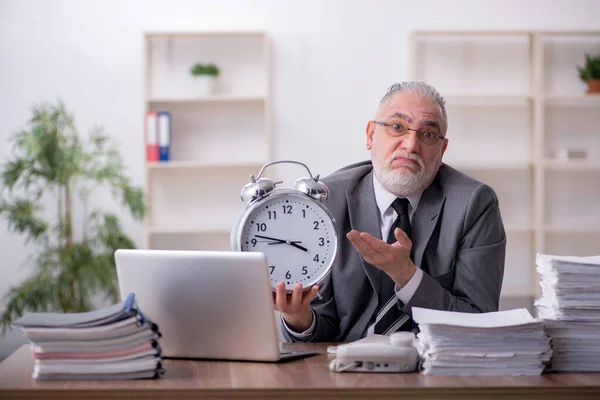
(51, 164)
(590, 73)
(205, 77)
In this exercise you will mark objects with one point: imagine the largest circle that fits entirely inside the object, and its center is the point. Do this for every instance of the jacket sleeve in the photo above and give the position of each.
(473, 283)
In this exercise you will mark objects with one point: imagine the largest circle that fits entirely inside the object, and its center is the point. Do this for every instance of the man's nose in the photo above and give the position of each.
(410, 142)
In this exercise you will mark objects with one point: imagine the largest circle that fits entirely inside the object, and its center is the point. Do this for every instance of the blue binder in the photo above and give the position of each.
(164, 136)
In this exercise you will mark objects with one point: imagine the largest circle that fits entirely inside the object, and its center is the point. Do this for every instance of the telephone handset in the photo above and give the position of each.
(397, 354)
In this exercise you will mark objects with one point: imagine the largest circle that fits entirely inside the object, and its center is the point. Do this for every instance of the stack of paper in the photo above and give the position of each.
(570, 307)
(116, 342)
(495, 343)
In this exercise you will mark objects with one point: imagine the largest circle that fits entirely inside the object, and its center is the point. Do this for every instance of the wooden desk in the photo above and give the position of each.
(307, 378)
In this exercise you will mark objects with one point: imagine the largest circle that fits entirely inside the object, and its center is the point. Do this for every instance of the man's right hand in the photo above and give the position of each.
(295, 308)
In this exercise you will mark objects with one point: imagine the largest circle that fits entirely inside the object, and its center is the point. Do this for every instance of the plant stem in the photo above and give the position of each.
(69, 238)
(62, 295)
(73, 302)
(63, 304)
(60, 216)
(68, 220)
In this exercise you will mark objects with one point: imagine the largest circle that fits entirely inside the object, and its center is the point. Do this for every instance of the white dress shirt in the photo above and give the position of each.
(384, 200)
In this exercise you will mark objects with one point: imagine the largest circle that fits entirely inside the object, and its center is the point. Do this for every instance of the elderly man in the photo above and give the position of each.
(419, 233)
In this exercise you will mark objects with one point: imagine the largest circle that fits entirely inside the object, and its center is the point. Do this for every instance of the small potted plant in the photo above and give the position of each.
(205, 76)
(590, 73)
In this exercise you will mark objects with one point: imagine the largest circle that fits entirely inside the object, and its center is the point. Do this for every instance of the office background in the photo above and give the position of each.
(330, 63)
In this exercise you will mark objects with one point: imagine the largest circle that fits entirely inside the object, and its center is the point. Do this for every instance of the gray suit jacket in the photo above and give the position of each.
(458, 241)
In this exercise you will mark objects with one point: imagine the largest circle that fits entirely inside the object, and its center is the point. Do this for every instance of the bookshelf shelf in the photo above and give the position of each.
(487, 100)
(209, 99)
(205, 34)
(181, 239)
(518, 228)
(494, 166)
(514, 100)
(574, 100)
(572, 229)
(190, 231)
(572, 165)
(184, 165)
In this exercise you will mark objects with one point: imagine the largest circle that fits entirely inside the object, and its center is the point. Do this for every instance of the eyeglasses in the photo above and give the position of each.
(397, 129)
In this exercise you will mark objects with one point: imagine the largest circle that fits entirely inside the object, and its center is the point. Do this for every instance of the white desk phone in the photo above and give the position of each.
(377, 353)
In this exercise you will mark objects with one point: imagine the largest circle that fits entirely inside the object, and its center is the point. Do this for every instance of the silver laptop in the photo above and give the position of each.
(207, 304)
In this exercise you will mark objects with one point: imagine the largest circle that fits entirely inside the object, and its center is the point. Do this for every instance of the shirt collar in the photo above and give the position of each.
(385, 199)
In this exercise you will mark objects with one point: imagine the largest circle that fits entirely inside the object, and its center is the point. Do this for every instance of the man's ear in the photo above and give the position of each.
(369, 131)
(444, 146)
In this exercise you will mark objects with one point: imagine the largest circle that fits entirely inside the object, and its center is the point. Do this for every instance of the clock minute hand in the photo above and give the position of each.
(270, 238)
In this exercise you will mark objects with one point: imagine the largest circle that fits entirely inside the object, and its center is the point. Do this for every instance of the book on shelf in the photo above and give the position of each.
(157, 129)
(116, 342)
(164, 135)
(151, 129)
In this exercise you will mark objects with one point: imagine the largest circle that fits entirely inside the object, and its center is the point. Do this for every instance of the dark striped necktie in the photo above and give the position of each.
(389, 317)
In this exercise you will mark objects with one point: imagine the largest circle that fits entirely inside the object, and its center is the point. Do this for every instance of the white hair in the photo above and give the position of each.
(420, 88)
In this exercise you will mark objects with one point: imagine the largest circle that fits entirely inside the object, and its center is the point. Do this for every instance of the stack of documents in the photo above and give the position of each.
(116, 342)
(495, 343)
(570, 307)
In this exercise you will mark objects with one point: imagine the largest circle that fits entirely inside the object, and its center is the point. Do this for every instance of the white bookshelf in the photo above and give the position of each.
(571, 189)
(217, 141)
(513, 99)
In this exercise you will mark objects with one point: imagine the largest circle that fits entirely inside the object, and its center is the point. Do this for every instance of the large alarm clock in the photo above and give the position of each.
(292, 227)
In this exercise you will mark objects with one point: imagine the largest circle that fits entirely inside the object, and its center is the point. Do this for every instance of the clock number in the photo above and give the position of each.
(321, 242)
(261, 227)
(288, 275)
(253, 241)
(287, 209)
(303, 213)
(316, 228)
(274, 214)
(304, 270)
(272, 268)
(316, 258)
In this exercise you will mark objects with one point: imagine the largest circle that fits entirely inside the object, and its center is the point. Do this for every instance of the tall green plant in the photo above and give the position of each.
(52, 162)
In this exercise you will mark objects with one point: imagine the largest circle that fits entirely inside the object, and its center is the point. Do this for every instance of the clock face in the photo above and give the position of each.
(297, 236)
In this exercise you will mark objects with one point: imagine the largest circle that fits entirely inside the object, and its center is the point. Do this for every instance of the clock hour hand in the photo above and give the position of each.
(296, 245)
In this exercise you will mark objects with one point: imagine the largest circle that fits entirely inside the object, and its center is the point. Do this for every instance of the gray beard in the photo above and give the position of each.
(403, 183)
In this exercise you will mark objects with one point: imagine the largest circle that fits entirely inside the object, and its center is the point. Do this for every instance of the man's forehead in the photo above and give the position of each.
(411, 105)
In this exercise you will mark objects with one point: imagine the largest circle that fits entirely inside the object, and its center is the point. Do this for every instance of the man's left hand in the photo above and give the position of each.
(393, 259)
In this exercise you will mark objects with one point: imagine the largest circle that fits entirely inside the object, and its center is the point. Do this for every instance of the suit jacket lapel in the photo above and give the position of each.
(364, 217)
(425, 219)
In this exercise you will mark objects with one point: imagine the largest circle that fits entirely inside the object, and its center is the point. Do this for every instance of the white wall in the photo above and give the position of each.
(332, 62)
